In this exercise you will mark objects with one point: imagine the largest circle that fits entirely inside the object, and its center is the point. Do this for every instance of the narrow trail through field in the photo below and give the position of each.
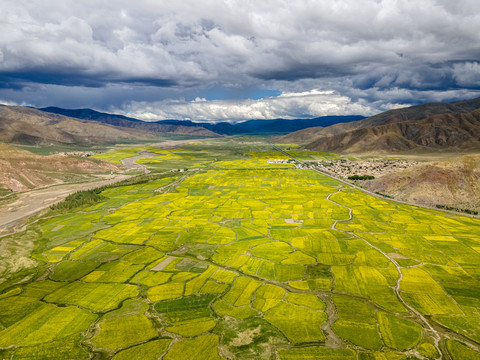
(332, 340)
(428, 327)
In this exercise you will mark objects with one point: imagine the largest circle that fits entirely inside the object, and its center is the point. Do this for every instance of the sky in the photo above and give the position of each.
(231, 60)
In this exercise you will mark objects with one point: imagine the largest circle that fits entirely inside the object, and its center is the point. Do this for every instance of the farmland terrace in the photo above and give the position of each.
(244, 259)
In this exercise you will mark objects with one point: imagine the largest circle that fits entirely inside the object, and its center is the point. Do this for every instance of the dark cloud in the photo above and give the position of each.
(376, 53)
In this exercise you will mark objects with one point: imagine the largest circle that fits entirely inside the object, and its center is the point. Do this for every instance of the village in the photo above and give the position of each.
(345, 168)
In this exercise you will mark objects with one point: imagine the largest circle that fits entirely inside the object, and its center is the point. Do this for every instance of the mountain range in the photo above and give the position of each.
(195, 128)
(131, 123)
(452, 126)
(29, 126)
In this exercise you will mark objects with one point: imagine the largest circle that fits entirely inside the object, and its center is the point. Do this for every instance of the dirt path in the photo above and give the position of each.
(428, 328)
(131, 162)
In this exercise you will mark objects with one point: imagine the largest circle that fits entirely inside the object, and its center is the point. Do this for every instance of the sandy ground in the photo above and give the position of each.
(30, 202)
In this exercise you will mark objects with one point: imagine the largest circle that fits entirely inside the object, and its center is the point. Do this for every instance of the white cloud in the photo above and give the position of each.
(9, 103)
(290, 105)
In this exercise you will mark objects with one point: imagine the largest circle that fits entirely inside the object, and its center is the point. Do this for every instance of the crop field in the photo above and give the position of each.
(243, 258)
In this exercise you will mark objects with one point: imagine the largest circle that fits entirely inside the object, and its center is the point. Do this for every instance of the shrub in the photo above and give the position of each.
(80, 199)
(361, 177)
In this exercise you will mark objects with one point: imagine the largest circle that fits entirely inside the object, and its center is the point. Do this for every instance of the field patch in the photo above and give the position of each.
(124, 327)
(202, 348)
(171, 290)
(93, 296)
(151, 350)
(267, 296)
(241, 291)
(460, 351)
(72, 270)
(48, 322)
(356, 323)
(316, 353)
(398, 333)
(306, 326)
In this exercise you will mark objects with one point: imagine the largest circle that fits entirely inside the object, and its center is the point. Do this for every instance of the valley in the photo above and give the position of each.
(221, 252)
(240, 180)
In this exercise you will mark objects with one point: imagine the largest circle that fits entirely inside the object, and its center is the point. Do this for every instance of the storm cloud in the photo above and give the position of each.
(152, 59)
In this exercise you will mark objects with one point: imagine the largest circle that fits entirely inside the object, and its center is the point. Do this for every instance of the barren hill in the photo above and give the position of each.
(22, 125)
(454, 182)
(444, 131)
(21, 170)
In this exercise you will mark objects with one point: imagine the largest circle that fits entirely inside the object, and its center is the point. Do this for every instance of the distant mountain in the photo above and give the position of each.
(273, 126)
(127, 122)
(284, 125)
(198, 128)
(435, 125)
(222, 128)
(266, 126)
(22, 125)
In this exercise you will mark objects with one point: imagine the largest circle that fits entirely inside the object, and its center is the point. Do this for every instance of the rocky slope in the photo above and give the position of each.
(444, 131)
(454, 182)
(22, 170)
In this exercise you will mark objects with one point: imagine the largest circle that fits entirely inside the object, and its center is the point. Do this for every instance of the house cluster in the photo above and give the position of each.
(345, 168)
(76, 153)
(280, 161)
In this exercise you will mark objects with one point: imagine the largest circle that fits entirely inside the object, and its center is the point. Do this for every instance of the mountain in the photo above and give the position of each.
(131, 123)
(283, 125)
(198, 128)
(266, 126)
(443, 131)
(434, 125)
(22, 125)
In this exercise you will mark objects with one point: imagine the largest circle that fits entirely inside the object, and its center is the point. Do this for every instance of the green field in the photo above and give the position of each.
(241, 258)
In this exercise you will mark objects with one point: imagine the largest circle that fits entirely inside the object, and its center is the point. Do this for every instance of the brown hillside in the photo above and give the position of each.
(21, 170)
(412, 113)
(455, 182)
(23, 125)
(444, 131)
